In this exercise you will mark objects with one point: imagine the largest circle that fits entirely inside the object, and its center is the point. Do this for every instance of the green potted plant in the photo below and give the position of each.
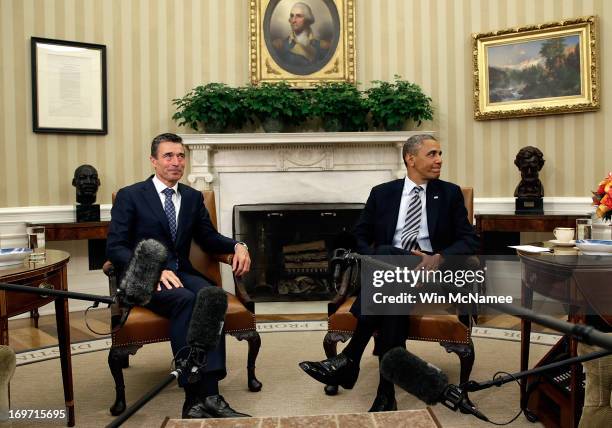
(276, 105)
(340, 106)
(392, 104)
(214, 106)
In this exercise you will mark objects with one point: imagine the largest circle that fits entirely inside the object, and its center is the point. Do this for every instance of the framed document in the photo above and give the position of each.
(68, 87)
(534, 70)
(302, 42)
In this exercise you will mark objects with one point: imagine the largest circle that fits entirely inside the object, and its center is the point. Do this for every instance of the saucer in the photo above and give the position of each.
(558, 243)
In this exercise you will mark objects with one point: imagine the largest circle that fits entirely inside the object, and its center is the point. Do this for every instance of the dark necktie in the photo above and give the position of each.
(170, 211)
(410, 231)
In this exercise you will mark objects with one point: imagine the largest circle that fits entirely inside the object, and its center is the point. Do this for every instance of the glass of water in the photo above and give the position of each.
(36, 242)
(583, 228)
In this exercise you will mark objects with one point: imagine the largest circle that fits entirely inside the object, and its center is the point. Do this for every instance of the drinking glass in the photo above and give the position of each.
(36, 242)
(583, 228)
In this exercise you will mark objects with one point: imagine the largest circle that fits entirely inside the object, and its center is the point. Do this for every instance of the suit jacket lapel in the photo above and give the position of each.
(432, 206)
(393, 215)
(152, 198)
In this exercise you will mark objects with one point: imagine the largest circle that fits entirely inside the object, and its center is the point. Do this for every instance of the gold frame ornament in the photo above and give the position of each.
(530, 71)
(275, 54)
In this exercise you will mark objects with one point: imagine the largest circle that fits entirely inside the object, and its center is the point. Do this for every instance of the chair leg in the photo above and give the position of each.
(330, 345)
(118, 359)
(254, 341)
(466, 355)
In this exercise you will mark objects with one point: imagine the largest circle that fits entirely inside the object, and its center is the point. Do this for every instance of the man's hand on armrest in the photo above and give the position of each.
(241, 263)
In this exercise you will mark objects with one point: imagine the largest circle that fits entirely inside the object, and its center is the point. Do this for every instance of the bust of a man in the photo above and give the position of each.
(86, 182)
(529, 161)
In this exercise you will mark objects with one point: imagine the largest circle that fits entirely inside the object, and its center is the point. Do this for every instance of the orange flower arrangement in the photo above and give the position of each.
(602, 198)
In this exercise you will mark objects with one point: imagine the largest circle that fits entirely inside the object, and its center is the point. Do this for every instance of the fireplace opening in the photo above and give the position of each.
(291, 245)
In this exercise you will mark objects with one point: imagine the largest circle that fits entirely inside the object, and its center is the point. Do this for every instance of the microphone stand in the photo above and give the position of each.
(197, 363)
(471, 386)
(97, 299)
(61, 293)
(145, 398)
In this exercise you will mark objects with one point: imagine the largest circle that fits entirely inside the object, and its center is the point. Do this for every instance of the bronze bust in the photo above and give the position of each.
(86, 182)
(529, 161)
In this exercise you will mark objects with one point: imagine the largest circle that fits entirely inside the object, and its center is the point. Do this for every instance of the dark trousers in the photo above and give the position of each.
(177, 304)
(391, 330)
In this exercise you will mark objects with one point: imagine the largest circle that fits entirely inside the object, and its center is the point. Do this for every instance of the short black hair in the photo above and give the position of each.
(414, 143)
(166, 137)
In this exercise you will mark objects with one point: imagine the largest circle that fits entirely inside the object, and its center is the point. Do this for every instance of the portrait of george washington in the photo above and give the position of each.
(301, 36)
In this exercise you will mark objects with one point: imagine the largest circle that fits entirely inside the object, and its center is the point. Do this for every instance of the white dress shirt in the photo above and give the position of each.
(423, 237)
(176, 197)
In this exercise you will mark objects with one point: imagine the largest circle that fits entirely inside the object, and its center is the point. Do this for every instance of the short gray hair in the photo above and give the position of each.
(166, 137)
(414, 143)
(307, 11)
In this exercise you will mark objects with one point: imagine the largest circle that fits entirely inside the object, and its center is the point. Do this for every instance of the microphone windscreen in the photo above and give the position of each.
(7, 368)
(207, 318)
(421, 379)
(143, 272)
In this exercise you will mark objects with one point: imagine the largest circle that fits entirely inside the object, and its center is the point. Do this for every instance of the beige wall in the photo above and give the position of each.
(158, 49)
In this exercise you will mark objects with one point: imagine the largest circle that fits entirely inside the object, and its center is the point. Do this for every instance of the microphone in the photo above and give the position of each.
(205, 328)
(7, 368)
(142, 274)
(425, 381)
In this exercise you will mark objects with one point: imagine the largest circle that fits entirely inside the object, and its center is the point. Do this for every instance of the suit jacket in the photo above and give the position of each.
(138, 214)
(450, 232)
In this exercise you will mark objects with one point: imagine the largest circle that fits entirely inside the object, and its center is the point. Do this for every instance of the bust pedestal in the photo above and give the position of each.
(86, 213)
(529, 205)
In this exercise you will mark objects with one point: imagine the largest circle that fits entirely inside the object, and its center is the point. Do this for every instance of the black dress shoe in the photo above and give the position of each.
(217, 407)
(383, 403)
(194, 409)
(337, 370)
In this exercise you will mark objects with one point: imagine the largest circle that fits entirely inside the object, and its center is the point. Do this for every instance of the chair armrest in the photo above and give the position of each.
(242, 294)
(341, 293)
(111, 273)
(223, 258)
(108, 269)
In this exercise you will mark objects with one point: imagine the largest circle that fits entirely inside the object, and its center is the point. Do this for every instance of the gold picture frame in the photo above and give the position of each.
(536, 70)
(276, 54)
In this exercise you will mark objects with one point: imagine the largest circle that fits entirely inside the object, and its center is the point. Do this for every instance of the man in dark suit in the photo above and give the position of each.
(163, 209)
(419, 215)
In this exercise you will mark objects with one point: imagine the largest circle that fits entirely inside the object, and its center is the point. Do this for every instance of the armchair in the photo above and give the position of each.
(450, 330)
(144, 326)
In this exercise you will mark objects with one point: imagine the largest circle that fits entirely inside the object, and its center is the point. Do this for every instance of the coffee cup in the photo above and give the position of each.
(564, 234)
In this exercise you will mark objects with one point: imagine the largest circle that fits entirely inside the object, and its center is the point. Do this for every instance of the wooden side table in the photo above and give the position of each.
(53, 274)
(497, 231)
(94, 231)
(75, 231)
(580, 282)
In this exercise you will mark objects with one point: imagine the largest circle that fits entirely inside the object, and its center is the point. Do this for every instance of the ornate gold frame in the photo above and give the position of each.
(588, 100)
(340, 67)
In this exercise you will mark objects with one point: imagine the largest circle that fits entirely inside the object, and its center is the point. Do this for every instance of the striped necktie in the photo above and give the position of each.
(410, 231)
(170, 211)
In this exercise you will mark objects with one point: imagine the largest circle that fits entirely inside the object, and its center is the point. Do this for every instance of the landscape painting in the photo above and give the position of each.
(540, 69)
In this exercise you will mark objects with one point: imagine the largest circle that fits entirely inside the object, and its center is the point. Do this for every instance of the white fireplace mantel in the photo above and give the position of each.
(313, 167)
(213, 154)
